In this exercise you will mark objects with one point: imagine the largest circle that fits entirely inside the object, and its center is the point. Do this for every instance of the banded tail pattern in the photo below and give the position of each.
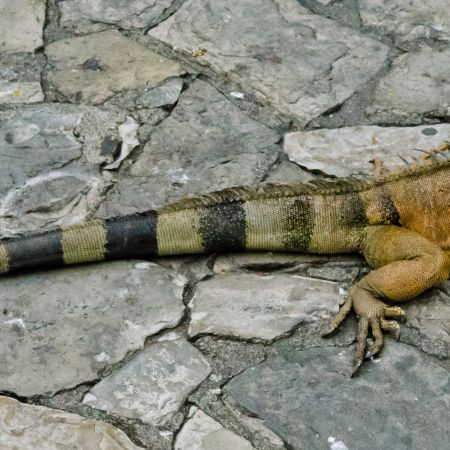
(304, 223)
(320, 218)
(96, 240)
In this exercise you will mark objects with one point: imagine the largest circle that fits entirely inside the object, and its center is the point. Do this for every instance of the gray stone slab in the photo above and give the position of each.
(265, 261)
(106, 134)
(252, 306)
(21, 25)
(417, 84)
(352, 150)
(47, 175)
(60, 328)
(93, 68)
(256, 427)
(29, 427)
(164, 95)
(17, 93)
(94, 15)
(340, 268)
(153, 386)
(289, 172)
(308, 399)
(428, 316)
(206, 144)
(300, 63)
(408, 20)
(201, 432)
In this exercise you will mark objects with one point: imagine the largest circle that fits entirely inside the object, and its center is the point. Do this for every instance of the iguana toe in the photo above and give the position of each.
(340, 316)
(372, 314)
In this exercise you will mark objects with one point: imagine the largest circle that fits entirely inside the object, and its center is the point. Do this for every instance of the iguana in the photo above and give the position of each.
(399, 222)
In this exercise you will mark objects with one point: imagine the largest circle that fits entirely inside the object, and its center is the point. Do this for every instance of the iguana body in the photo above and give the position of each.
(400, 223)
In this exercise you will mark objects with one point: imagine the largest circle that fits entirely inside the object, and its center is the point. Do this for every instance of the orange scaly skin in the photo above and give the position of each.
(408, 259)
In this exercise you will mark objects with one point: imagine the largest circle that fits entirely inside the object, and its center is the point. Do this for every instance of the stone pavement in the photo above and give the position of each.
(112, 106)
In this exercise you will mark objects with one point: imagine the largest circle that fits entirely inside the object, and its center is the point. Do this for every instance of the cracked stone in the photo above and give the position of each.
(429, 316)
(289, 172)
(261, 261)
(340, 268)
(205, 134)
(408, 20)
(36, 427)
(99, 129)
(256, 426)
(351, 151)
(300, 63)
(21, 67)
(252, 306)
(153, 386)
(307, 398)
(17, 93)
(201, 432)
(164, 95)
(61, 328)
(227, 358)
(141, 68)
(47, 177)
(87, 15)
(21, 25)
(416, 85)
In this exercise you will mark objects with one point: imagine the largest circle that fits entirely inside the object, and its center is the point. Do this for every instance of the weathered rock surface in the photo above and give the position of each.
(16, 93)
(298, 62)
(416, 85)
(92, 68)
(252, 306)
(408, 20)
(265, 261)
(256, 427)
(36, 427)
(153, 385)
(201, 432)
(429, 317)
(47, 175)
(60, 328)
(21, 25)
(21, 67)
(87, 15)
(289, 172)
(166, 94)
(333, 268)
(352, 150)
(308, 398)
(206, 144)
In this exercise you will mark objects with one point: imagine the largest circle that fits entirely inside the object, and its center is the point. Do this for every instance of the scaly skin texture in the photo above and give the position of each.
(400, 223)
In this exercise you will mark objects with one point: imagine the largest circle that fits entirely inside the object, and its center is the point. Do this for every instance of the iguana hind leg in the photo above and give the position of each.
(406, 264)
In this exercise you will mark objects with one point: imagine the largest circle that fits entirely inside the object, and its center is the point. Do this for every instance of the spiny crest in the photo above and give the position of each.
(430, 161)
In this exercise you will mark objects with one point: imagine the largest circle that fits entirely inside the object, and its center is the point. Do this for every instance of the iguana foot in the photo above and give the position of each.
(371, 313)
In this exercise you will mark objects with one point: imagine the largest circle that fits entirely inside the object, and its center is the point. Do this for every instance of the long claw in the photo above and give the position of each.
(363, 330)
(356, 368)
(378, 335)
(372, 312)
(341, 315)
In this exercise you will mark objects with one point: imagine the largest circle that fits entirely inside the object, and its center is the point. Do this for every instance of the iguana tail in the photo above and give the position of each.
(231, 220)
(132, 236)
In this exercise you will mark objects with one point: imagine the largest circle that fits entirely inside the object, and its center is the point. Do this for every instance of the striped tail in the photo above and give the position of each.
(132, 236)
(141, 235)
